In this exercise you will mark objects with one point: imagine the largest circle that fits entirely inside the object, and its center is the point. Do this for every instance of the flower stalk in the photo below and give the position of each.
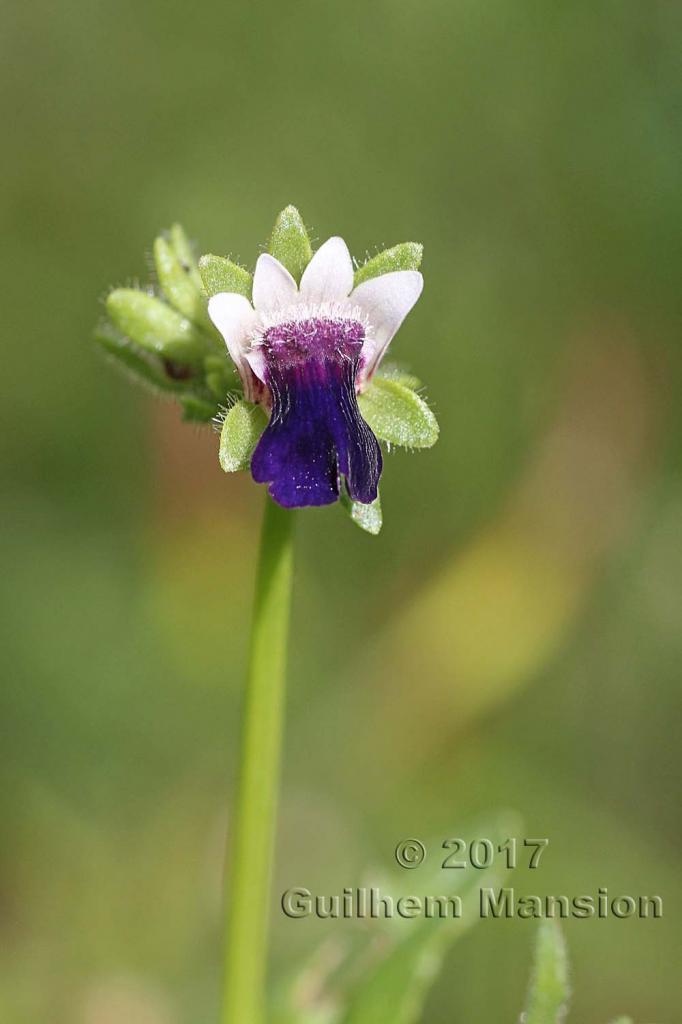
(252, 829)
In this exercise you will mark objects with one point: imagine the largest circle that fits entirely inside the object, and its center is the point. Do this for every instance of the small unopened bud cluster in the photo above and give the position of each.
(163, 337)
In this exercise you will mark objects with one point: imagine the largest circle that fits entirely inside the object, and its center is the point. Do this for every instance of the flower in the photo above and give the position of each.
(305, 353)
(299, 392)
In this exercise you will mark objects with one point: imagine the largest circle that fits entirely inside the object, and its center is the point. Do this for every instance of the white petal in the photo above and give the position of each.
(234, 317)
(256, 360)
(387, 300)
(273, 285)
(329, 275)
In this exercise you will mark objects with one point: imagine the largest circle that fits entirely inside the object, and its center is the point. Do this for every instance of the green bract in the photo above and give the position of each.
(180, 285)
(368, 517)
(155, 326)
(406, 256)
(242, 427)
(219, 274)
(397, 414)
(289, 242)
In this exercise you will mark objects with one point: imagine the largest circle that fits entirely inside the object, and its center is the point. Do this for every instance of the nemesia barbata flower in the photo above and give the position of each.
(290, 362)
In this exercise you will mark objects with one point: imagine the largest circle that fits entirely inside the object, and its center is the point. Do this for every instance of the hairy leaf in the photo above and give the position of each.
(397, 414)
(406, 256)
(219, 274)
(289, 242)
(243, 425)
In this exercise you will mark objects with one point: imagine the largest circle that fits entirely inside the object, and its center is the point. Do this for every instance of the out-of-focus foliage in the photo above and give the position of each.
(386, 980)
(514, 636)
(550, 990)
(547, 1001)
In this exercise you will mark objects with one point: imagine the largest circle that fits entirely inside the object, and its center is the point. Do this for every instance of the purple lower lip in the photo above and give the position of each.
(316, 434)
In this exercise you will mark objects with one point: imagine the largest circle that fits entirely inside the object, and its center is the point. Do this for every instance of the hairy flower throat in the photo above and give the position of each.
(316, 433)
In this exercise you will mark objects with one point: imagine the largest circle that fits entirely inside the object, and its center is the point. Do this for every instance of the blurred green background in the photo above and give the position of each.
(513, 638)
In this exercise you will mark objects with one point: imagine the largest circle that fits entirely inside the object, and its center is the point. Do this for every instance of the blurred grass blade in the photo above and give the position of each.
(394, 992)
(406, 256)
(398, 415)
(549, 990)
(305, 997)
(155, 326)
(243, 425)
(219, 274)
(178, 284)
(289, 242)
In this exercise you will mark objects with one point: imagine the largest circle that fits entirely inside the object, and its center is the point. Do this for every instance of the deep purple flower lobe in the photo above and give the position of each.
(316, 433)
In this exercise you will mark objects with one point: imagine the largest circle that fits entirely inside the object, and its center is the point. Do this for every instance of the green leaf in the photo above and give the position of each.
(549, 989)
(398, 415)
(143, 367)
(178, 284)
(219, 274)
(243, 425)
(406, 256)
(367, 517)
(289, 242)
(154, 326)
(622, 1020)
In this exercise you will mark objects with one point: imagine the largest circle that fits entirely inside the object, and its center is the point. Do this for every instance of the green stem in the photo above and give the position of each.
(252, 834)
